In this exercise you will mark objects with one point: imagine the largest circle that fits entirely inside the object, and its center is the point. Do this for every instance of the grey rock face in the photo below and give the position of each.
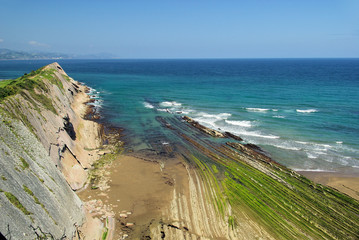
(35, 199)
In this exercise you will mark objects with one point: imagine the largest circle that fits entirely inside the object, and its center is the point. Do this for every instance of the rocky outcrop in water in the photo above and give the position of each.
(212, 132)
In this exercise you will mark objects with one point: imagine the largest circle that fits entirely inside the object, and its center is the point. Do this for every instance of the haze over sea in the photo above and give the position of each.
(302, 112)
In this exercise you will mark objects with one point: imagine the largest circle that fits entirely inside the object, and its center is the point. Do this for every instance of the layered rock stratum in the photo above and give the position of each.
(42, 158)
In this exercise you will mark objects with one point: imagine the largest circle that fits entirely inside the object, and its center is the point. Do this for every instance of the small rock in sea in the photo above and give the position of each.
(129, 224)
(123, 215)
(129, 213)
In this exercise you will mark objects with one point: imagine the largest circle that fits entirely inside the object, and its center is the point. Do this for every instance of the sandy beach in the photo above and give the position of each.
(344, 182)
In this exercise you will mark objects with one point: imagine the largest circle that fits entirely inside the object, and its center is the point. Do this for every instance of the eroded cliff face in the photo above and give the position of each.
(44, 155)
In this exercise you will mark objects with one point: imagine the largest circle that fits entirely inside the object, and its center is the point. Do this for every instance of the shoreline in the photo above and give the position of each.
(345, 182)
(137, 214)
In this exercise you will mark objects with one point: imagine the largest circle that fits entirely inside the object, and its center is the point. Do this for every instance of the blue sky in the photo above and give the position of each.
(183, 29)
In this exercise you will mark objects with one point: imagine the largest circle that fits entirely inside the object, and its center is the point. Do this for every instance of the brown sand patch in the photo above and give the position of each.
(138, 193)
(347, 183)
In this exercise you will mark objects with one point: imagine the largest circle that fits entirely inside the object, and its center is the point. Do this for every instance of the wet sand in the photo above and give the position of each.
(345, 182)
(138, 192)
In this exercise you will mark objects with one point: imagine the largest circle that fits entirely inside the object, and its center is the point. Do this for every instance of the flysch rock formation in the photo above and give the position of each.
(43, 159)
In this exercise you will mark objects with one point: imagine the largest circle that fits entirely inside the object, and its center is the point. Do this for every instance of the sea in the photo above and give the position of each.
(304, 113)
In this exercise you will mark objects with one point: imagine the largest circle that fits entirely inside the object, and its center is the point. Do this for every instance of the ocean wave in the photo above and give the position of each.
(258, 134)
(94, 95)
(208, 122)
(286, 147)
(221, 116)
(97, 103)
(148, 105)
(257, 109)
(170, 104)
(239, 123)
(306, 110)
(311, 155)
(279, 116)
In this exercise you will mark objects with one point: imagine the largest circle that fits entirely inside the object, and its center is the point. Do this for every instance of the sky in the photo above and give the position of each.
(183, 28)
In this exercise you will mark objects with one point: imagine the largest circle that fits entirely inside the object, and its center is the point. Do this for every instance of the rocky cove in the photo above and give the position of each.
(66, 177)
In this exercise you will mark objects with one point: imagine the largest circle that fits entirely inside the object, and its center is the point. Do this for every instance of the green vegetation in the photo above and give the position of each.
(95, 173)
(24, 165)
(214, 167)
(3, 178)
(7, 123)
(3, 83)
(32, 87)
(287, 204)
(231, 222)
(66, 77)
(291, 207)
(28, 191)
(16, 203)
(104, 235)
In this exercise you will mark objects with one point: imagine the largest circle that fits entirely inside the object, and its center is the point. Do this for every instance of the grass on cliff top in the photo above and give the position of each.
(35, 86)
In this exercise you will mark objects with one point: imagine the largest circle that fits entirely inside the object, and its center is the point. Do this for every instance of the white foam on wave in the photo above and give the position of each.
(321, 147)
(311, 155)
(170, 104)
(97, 103)
(162, 110)
(339, 142)
(258, 134)
(208, 122)
(239, 123)
(286, 147)
(307, 110)
(257, 109)
(279, 116)
(221, 116)
(95, 96)
(148, 105)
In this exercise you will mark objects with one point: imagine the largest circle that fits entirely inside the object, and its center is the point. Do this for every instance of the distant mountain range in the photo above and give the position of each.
(7, 54)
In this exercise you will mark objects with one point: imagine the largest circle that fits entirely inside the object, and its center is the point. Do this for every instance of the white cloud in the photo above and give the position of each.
(35, 43)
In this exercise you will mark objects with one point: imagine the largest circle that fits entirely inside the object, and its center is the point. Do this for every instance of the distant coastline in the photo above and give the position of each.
(8, 54)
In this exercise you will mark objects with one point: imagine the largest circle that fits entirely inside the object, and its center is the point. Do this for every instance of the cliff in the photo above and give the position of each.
(42, 157)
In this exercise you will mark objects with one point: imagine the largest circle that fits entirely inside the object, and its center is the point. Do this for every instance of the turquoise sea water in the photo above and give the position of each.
(303, 112)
